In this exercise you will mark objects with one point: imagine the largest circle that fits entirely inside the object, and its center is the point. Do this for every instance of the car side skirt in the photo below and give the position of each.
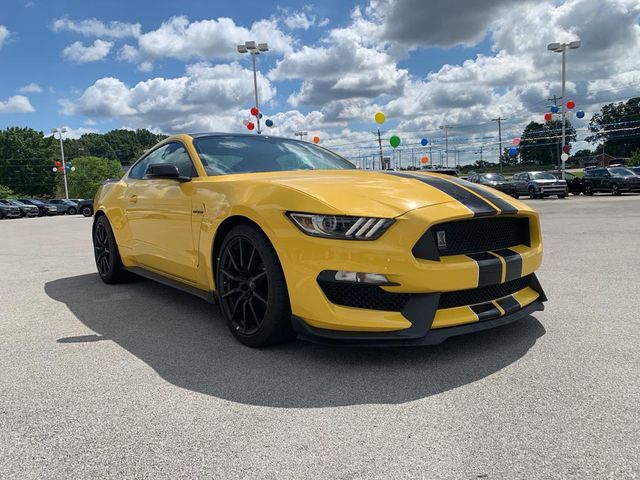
(209, 296)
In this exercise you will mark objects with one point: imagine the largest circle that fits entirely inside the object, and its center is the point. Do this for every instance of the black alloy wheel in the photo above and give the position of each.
(106, 253)
(87, 211)
(72, 211)
(588, 190)
(615, 189)
(252, 290)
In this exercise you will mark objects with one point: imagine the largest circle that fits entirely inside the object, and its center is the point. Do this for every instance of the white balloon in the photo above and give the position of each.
(564, 157)
(73, 169)
(54, 169)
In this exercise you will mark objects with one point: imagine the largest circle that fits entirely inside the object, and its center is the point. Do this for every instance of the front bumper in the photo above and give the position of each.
(553, 190)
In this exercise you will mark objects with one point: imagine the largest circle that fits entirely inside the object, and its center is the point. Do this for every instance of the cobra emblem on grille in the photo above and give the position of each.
(442, 239)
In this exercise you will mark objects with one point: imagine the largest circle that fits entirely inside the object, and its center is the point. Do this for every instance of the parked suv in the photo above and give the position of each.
(25, 210)
(538, 185)
(614, 180)
(494, 180)
(8, 210)
(635, 170)
(43, 208)
(65, 206)
(85, 207)
(575, 184)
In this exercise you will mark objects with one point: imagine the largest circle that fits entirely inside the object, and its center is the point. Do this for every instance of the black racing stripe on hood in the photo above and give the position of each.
(504, 206)
(477, 205)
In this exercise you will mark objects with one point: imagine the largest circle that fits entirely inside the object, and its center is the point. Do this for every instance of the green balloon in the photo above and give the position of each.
(394, 141)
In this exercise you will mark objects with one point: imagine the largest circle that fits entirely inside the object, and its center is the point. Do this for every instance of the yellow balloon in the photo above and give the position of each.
(379, 117)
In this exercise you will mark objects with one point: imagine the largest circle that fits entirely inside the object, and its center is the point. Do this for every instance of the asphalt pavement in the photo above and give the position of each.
(142, 381)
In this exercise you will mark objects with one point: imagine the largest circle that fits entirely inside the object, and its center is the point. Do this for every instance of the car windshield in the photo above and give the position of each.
(542, 176)
(228, 154)
(622, 172)
(493, 177)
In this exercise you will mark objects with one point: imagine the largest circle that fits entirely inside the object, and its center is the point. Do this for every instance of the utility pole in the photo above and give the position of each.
(558, 149)
(380, 145)
(499, 120)
(446, 141)
(301, 134)
(254, 49)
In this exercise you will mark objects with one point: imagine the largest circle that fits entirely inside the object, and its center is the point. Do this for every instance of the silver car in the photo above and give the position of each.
(538, 185)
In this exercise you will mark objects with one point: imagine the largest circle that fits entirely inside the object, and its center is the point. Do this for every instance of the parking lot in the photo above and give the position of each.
(143, 381)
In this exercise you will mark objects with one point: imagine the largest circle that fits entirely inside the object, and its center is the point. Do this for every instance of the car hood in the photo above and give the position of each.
(362, 192)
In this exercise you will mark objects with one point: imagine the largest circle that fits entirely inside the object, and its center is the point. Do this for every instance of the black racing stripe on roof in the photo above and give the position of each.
(473, 202)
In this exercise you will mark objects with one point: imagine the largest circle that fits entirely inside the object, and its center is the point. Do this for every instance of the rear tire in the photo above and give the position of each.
(532, 192)
(515, 194)
(615, 190)
(588, 190)
(561, 196)
(87, 211)
(106, 253)
(252, 289)
(72, 211)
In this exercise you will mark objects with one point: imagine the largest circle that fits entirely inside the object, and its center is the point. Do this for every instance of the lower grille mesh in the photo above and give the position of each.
(371, 297)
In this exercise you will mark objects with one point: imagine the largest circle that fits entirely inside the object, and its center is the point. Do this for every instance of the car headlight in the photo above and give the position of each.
(340, 226)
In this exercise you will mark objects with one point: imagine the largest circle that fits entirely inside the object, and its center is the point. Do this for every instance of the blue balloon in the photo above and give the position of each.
(580, 114)
(424, 142)
(260, 115)
(554, 109)
(513, 151)
(269, 123)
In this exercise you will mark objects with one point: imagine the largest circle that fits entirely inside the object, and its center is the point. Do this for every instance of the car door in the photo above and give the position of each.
(522, 183)
(158, 213)
(605, 180)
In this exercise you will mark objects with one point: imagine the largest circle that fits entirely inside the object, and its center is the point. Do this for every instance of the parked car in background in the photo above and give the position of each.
(494, 180)
(613, 180)
(43, 208)
(25, 210)
(85, 207)
(635, 170)
(8, 210)
(65, 206)
(575, 184)
(538, 185)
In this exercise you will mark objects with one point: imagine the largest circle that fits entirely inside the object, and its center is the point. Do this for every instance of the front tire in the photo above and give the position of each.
(588, 190)
(532, 192)
(106, 253)
(252, 289)
(87, 211)
(515, 194)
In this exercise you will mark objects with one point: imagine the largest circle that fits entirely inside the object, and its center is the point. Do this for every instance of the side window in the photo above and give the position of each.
(173, 153)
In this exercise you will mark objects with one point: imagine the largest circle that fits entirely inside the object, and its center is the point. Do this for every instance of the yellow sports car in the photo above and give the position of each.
(291, 239)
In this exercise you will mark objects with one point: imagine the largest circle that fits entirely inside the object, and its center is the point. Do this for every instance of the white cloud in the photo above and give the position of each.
(206, 96)
(77, 52)
(16, 104)
(4, 35)
(298, 21)
(75, 133)
(93, 27)
(31, 88)
(206, 39)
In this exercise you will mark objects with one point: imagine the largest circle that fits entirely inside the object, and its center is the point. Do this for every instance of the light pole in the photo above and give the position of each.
(64, 165)
(301, 134)
(499, 120)
(446, 141)
(253, 49)
(562, 48)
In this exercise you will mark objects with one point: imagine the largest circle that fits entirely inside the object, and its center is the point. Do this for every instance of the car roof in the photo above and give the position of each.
(225, 134)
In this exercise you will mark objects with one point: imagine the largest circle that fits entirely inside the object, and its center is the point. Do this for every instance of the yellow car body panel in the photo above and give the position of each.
(169, 228)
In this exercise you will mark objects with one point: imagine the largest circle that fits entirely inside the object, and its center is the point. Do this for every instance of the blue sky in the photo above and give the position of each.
(171, 66)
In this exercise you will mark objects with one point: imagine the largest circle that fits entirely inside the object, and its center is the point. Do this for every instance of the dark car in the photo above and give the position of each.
(85, 207)
(614, 180)
(9, 211)
(575, 184)
(25, 210)
(635, 170)
(494, 180)
(43, 208)
(64, 206)
(538, 185)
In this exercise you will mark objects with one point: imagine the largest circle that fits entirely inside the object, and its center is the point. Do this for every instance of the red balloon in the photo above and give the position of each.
(571, 104)
(250, 126)
(58, 164)
(548, 116)
(254, 112)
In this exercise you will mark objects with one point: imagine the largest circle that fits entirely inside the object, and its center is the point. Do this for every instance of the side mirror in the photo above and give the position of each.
(165, 170)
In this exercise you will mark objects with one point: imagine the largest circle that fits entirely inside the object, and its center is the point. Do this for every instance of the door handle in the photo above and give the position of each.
(133, 198)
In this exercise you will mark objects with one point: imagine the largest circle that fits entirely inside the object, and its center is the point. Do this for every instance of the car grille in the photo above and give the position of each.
(371, 297)
(472, 236)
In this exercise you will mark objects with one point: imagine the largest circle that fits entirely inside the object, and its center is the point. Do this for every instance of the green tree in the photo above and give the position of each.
(26, 161)
(540, 142)
(89, 173)
(634, 159)
(6, 192)
(617, 128)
